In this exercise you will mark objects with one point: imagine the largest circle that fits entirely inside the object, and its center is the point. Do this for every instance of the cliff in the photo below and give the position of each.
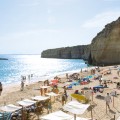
(75, 52)
(105, 47)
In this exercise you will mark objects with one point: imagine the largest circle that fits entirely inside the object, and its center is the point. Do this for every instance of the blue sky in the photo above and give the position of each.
(31, 26)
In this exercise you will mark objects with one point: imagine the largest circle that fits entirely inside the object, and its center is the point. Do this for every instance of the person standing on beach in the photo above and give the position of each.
(47, 81)
(81, 70)
(22, 85)
(66, 75)
(118, 71)
(29, 79)
(1, 88)
(41, 91)
(100, 80)
(108, 100)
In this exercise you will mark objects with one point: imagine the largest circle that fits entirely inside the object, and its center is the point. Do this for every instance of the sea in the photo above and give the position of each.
(16, 66)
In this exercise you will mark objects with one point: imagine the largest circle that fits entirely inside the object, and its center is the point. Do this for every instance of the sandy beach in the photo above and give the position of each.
(12, 93)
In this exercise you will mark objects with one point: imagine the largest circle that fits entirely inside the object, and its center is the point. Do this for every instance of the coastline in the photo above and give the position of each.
(8, 88)
(15, 87)
(12, 93)
(42, 68)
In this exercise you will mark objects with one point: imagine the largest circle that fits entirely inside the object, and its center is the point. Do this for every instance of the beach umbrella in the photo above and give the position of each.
(75, 107)
(58, 115)
(55, 81)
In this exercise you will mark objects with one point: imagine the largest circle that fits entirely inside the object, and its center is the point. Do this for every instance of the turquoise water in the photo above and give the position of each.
(41, 68)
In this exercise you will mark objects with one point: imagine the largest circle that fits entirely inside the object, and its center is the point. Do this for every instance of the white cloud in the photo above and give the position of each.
(100, 20)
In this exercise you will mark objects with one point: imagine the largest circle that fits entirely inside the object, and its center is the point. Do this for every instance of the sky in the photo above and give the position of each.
(31, 26)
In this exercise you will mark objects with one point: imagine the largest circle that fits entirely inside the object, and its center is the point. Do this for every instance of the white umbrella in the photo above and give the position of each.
(76, 108)
(59, 115)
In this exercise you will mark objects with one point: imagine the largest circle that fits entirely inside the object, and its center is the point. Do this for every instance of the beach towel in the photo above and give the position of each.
(69, 87)
(80, 98)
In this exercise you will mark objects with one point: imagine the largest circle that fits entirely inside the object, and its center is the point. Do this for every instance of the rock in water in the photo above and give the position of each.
(3, 59)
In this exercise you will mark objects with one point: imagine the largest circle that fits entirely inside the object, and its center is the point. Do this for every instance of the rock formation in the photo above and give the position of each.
(105, 47)
(75, 52)
(3, 59)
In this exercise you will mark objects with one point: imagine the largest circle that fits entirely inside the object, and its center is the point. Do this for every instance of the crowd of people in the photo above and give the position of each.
(75, 77)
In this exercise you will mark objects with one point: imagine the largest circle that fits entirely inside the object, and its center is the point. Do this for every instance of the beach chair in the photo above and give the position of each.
(5, 116)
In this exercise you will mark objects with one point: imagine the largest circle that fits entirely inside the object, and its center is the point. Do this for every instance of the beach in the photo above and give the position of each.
(12, 93)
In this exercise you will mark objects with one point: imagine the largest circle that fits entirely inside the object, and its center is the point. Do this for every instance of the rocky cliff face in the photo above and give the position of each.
(75, 52)
(105, 47)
